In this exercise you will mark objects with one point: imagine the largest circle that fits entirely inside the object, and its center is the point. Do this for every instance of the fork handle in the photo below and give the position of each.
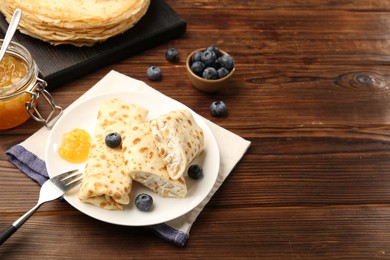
(7, 233)
(17, 224)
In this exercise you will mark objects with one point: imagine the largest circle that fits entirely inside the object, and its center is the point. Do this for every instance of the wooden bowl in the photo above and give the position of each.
(207, 85)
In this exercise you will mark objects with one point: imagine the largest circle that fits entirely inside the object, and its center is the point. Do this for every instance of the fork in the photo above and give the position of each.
(52, 189)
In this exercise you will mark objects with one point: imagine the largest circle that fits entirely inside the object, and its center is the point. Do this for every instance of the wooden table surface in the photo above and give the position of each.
(312, 94)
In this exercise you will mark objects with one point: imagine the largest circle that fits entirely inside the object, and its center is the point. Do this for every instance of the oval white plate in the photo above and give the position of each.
(83, 116)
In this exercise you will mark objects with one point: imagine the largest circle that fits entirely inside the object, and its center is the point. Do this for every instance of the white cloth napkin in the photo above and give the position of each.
(28, 156)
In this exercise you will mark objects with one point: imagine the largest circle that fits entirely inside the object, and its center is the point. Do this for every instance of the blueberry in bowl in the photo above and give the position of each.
(210, 69)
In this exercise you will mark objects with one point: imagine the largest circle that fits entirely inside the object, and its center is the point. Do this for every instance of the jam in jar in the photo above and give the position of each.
(20, 89)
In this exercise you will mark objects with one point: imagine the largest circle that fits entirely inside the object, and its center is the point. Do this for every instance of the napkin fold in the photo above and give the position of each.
(29, 155)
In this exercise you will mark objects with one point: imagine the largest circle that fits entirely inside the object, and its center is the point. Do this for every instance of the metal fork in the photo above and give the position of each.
(52, 189)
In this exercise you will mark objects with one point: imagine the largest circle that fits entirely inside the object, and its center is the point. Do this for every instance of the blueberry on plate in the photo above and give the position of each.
(210, 73)
(195, 171)
(218, 108)
(153, 73)
(144, 202)
(172, 54)
(113, 140)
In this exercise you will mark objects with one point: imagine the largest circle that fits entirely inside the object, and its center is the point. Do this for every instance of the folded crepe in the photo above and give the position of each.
(106, 183)
(144, 164)
(178, 138)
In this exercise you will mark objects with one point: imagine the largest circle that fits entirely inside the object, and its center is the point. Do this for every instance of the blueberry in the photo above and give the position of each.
(197, 56)
(209, 57)
(218, 108)
(144, 202)
(210, 73)
(113, 140)
(226, 61)
(214, 49)
(172, 54)
(222, 72)
(154, 73)
(195, 171)
(197, 67)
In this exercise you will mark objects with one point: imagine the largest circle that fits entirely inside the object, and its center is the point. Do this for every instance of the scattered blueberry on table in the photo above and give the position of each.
(153, 73)
(172, 54)
(218, 108)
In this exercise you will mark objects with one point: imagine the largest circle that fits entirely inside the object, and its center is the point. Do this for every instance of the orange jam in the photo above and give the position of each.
(12, 70)
(12, 110)
(75, 146)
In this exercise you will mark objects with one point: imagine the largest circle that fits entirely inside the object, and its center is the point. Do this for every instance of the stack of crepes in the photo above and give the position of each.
(155, 154)
(76, 22)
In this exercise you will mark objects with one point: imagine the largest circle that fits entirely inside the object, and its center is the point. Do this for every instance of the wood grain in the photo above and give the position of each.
(312, 94)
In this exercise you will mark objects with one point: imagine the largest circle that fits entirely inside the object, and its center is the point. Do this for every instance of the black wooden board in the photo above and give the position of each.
(63, 63)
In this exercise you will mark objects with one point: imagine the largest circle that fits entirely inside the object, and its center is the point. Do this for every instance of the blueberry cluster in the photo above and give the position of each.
(211, 63)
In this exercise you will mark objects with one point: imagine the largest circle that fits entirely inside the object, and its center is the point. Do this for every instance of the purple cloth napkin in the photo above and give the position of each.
(28, 163)
(35, 168)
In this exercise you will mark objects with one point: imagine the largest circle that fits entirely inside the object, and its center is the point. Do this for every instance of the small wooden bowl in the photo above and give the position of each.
(207, 85)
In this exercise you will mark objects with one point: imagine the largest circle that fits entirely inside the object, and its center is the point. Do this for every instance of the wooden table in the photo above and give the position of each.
(312, 94)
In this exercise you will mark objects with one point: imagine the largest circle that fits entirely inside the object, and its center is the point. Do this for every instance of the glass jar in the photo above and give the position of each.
(19, 96)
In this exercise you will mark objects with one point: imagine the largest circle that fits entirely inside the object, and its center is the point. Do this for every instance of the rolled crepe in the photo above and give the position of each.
(178, 138)
(106, 183)
(146, 166)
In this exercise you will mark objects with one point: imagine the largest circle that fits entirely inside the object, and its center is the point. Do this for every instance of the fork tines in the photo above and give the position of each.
(67, 179)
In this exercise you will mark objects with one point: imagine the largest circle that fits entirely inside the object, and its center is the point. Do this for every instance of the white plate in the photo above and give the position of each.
(84, 115)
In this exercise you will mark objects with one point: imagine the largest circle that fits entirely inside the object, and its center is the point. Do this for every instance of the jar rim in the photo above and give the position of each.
(18, 50)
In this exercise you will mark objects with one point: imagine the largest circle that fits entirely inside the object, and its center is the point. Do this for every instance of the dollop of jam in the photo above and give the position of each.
(75, 146)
